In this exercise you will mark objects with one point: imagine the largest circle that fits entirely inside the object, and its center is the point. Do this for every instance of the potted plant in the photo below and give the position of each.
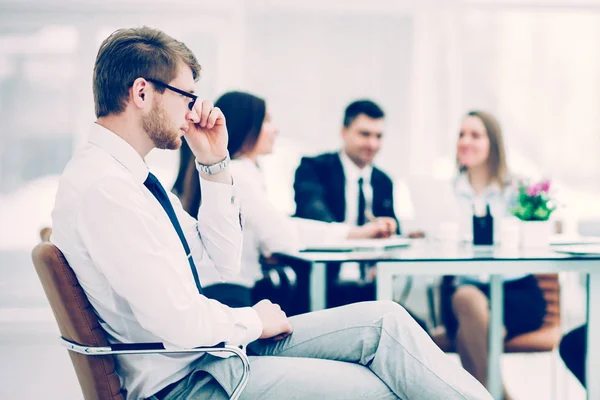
(533, 207)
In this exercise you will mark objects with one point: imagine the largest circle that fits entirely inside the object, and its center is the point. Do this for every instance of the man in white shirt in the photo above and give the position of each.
(139, 256)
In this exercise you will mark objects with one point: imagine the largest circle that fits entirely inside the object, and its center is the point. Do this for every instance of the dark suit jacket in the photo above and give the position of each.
(320, 187)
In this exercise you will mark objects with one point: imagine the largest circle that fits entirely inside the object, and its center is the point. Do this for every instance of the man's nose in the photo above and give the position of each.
(374, 143)
(192, 116)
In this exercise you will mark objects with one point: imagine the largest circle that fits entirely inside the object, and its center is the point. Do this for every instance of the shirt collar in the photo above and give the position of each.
(120, 150)
(352, 172)
(463, 187)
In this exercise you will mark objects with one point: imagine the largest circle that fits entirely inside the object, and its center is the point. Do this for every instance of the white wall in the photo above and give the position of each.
(534, 64)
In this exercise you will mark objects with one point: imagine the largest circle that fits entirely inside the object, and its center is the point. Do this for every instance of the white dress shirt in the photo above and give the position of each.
(353, 173)
(267, 229)
(132, 266)
(500, 201)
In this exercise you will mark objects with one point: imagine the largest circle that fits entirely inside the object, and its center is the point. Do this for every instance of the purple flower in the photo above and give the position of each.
(545, 186)
(534, 190)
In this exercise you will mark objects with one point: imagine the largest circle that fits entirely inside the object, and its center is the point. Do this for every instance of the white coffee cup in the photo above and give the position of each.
(508, 233)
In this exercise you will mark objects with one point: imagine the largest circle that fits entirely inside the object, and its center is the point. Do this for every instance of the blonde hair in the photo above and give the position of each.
(496, 161)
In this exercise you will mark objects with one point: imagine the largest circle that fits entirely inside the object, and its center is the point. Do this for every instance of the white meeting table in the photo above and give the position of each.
(426, 258)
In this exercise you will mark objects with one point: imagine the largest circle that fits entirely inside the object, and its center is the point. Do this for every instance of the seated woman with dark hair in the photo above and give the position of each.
(266, 229)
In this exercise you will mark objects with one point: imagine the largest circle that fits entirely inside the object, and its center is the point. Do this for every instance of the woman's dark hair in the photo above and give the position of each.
(187, 184)
(244, 115)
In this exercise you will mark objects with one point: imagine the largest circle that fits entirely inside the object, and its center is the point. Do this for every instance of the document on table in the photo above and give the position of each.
(562, 240)
(350, 245)
(579, 249)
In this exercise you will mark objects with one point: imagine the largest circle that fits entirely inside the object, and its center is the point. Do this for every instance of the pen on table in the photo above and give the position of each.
(369, 216)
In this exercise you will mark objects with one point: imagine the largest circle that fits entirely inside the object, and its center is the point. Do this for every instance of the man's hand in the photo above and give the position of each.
(390, 224)
(207, 133)
(382, 227)
(275, 323)
(416, 235)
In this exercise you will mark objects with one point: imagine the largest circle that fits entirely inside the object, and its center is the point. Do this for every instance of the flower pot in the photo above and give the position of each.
(535, 233)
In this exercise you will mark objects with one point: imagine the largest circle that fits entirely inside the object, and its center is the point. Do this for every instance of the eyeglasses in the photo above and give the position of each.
(174, 89)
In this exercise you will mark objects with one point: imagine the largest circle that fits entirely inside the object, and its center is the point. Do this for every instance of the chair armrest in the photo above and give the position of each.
(159, 348)
(291, 276)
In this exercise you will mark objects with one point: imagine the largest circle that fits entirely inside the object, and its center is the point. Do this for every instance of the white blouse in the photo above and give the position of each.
(267, 229)
(500, 201)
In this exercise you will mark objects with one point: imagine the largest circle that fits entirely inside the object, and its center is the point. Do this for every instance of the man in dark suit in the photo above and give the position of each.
(346, 187)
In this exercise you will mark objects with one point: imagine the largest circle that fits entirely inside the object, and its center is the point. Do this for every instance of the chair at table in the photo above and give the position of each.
(82, 335)
(547, 337)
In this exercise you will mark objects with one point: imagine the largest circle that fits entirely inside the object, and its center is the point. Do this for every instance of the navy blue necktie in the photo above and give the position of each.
(361, 220)
(362, 204)
(158, 191)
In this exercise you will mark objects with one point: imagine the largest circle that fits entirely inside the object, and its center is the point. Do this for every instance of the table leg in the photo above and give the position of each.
(384, 284)
(496, 341)
(318, 286)
(593, 333)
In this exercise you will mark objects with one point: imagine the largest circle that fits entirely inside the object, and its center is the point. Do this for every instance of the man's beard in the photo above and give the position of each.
(159, 129)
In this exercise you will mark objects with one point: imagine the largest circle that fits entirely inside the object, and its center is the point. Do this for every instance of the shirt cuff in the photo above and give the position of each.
(248, 317)
(218, 195)
(340, 230)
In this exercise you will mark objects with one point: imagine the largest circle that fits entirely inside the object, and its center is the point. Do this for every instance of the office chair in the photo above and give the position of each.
(82, 335)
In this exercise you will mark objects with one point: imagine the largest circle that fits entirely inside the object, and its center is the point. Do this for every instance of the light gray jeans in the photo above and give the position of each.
(371, 350)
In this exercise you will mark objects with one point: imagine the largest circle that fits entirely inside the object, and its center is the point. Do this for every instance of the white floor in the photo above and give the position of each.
(33, 365)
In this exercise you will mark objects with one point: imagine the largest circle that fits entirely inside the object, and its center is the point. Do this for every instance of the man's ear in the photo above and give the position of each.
(140, 93)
